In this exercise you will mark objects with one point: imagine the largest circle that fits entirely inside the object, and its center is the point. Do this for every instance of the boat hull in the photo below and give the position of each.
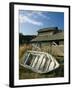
(39, 62)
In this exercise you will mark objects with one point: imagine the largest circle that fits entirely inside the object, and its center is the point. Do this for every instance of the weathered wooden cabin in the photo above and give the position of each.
(48, 36)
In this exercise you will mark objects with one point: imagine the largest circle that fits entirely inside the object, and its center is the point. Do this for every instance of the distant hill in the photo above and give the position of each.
(25, 38)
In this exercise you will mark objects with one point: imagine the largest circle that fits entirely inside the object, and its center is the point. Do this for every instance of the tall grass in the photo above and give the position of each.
(23, 48)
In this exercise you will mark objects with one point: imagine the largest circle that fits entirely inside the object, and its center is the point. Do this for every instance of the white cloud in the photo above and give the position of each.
(32, 17)
(42, 15)
(24, 19)
(37, 14)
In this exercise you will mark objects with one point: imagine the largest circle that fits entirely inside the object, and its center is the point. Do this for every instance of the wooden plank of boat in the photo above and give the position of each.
(39, 62)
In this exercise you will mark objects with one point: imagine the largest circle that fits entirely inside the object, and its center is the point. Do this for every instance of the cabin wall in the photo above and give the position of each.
(61, 42)
(49, 43)
(48, 33)
(46, 44)
(45, 33)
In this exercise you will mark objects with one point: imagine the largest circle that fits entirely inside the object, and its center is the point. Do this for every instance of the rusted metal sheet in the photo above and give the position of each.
(39, 62)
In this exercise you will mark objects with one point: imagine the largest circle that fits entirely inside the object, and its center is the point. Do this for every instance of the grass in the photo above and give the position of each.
(23, 48)
(28, 74)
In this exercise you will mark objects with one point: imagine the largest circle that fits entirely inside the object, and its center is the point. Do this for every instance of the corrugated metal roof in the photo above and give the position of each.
(58, 36)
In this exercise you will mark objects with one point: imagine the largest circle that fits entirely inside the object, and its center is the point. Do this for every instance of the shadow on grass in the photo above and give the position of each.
(28, 74)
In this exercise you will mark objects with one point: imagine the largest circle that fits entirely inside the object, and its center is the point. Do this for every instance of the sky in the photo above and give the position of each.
(31, 21)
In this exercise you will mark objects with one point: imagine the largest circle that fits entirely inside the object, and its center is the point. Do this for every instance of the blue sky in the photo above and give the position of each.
(31, 21)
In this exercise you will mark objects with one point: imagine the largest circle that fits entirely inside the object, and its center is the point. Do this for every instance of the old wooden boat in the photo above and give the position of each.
(39, 62)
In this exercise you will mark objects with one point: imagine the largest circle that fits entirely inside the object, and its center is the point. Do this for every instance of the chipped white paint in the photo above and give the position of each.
(40, 62)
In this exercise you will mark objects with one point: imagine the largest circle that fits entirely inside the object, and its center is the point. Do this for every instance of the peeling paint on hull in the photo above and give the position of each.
(39, 62)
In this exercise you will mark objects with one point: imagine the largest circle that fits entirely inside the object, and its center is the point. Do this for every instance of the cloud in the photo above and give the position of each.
(36, 14)
(32, 17)
(24, 19)
(42, 15)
